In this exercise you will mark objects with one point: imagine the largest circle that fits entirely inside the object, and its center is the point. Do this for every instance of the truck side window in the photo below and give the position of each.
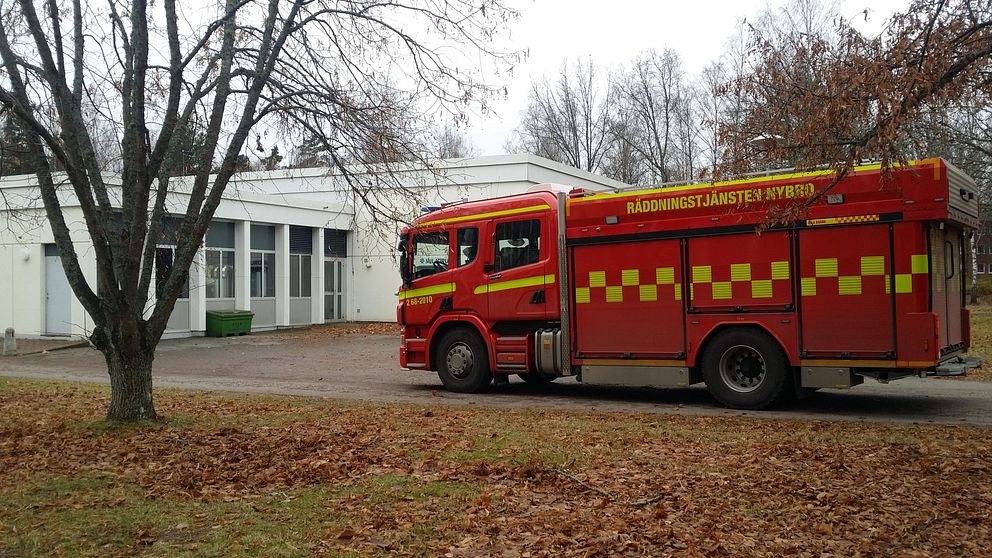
(468, 245)
(517, 243)
(430, 253)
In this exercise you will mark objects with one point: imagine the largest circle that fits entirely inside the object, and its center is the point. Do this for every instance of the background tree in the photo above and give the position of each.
(568, 120)
(310, 153)
(838, 98)
(451, 143)
(15, 148)
(656, 115)
(272, 160)
(336, 69)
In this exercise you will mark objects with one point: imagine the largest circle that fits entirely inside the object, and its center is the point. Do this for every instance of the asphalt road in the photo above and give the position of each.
(364, 367)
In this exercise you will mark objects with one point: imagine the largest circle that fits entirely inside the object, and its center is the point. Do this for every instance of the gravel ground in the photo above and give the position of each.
(360, 363)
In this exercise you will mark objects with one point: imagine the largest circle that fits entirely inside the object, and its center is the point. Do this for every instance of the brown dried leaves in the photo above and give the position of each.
(479, 482)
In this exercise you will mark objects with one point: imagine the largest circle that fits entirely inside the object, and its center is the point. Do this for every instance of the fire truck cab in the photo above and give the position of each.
(763, 288)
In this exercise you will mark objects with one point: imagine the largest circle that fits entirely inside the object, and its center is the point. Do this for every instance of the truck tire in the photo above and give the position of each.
(746, 369)
(462, 362)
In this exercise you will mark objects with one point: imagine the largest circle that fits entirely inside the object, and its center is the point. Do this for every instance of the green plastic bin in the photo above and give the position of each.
(221, 323)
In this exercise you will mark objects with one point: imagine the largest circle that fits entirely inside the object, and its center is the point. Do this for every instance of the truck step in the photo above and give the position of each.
(958, 366)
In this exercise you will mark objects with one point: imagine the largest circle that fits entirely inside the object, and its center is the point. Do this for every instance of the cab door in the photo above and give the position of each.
(521, 273)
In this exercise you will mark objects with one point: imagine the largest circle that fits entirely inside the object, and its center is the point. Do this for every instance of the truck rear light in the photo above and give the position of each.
(936, 332)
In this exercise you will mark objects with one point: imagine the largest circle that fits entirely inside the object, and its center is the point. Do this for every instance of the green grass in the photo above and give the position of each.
(99, 516)
(94, 516)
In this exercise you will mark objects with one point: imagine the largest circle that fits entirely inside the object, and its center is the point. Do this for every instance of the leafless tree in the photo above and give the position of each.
(451, 143)
(656, 112)
(710, 114)
(569, 120)
(337, 70)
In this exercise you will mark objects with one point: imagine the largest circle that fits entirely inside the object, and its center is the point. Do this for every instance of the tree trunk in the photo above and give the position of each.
(130, 386)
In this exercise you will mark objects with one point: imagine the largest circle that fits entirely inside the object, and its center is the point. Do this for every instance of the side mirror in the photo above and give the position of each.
(488, 268)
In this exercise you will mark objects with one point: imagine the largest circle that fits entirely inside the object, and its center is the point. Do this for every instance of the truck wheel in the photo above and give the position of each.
(745, 369)
(462, 362)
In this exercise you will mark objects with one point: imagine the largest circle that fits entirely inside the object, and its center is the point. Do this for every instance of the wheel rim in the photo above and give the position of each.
(460, 360)
(742, 369)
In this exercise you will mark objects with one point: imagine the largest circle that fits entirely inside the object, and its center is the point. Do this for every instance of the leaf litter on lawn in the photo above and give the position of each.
(495, 482)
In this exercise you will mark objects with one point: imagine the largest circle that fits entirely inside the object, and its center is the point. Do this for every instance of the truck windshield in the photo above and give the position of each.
(430, 253)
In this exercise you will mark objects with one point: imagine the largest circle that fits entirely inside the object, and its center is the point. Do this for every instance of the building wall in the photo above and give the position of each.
(25, 231)
(304, 197)
(373, 268)
(22, 270)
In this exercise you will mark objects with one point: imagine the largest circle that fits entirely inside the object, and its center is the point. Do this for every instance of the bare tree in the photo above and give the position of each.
(568, 121)
(656, 113)
(335, 69)
(451, 143)
(711, 113)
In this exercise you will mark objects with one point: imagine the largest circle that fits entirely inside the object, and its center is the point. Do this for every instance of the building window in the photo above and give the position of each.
(299, 275)
(981, 267)
(517, 243)
(165, 259)
(300, 247)
(220, 266)
(335, 243)
(263, 261)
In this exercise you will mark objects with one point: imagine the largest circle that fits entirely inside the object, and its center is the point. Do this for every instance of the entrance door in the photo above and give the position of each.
(333, 289)
(57, 294)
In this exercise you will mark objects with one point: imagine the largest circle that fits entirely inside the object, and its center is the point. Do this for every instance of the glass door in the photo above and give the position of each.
(333, 289)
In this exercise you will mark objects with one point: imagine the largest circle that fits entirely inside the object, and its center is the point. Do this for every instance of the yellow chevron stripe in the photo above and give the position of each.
(630, 277)
(582, 295)
(614, 294)
(826, 267)
(780, 270)
(872, 265)
(664, 275)
(849, 284)
(489, 215)
(535, 281)
(722, 290)
(424, 291)
(740, 272)
(761, 288)
(702, 274)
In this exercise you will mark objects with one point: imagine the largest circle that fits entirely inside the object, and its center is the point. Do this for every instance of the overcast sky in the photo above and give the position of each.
(612, 32)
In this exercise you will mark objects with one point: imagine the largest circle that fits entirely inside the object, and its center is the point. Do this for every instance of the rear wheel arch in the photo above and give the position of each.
(714, 332)
(746, 367)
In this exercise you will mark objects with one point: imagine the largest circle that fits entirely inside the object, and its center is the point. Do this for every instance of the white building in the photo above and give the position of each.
(293, 246)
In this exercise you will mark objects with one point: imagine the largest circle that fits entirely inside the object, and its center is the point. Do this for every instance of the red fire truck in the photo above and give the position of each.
(672, 286)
